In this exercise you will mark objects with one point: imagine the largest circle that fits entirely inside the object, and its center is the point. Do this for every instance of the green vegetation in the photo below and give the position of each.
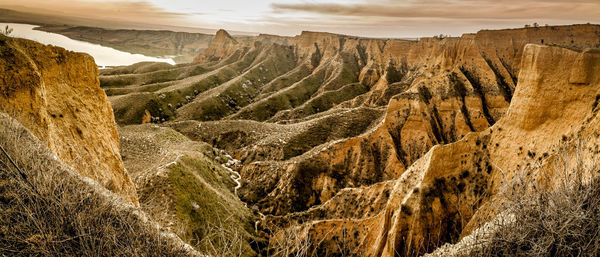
(329, 99)
(286, 80)
(131, 107)
(204, 202)
(244, 89)
(350, 71)
(395, 74)
(302, 91)
(287, 99)
(329, 129)
(130, 90)
(157, 76)
(140, 67)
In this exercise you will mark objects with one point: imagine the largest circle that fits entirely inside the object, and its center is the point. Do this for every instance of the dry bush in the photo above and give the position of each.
(290, 242)
(551, 211)
(223, 239)
(295, 240)
(47, 209)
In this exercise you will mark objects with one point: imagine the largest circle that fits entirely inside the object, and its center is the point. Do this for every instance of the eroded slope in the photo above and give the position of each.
(55, 93)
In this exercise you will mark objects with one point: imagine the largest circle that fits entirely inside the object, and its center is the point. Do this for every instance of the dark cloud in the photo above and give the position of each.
(111, 10)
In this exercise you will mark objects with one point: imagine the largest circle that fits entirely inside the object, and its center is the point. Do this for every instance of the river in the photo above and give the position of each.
(104, 56)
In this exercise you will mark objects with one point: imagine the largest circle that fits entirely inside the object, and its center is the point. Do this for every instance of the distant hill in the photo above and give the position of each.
(151, 40)
(19, 14)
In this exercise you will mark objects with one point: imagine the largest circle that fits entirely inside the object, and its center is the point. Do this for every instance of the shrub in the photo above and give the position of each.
(561, 221)
(7, 31)
(48, 209)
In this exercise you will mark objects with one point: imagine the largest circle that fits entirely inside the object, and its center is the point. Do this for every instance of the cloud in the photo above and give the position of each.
(376, 18)
(452, 9)
(110, 10)
(138, 8)
(415, 18)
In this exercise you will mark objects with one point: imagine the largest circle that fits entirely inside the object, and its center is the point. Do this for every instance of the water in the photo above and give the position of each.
(104, 56)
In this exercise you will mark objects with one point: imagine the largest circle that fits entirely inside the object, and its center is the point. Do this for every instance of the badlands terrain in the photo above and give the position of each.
(313, 145)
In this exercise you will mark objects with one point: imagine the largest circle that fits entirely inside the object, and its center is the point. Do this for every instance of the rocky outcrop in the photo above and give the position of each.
(446, 89)
(221, 46)
(55, 93)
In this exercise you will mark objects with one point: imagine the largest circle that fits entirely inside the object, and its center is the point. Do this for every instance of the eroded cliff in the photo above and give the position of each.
(55, 93)
(451, 190)
(381, 129)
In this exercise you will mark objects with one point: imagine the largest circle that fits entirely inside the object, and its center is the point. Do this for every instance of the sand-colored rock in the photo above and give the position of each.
(222, 46)
(452, 187)
(451, 87)
(55, 93)
(428, 95)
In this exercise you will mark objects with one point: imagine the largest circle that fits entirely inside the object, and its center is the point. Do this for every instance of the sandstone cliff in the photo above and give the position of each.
(221, 46)
(323, 122)
(450, 190)
(445, 88)
(55, 94)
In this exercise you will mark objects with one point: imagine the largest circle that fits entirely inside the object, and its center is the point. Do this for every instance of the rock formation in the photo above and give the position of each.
(452, 187)
(555, 101)
(55, 93)
(373, 145)
(221, 46)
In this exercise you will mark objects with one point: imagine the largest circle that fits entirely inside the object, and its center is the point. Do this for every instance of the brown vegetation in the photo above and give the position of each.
(48, 209)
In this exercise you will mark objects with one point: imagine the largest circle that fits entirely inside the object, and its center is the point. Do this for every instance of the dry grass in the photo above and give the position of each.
(552, 211)
(290, 242)
(296, 240)
(47, 209)
(223, 239)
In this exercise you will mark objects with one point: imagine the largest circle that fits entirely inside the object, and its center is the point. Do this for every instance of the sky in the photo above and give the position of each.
(371, 18)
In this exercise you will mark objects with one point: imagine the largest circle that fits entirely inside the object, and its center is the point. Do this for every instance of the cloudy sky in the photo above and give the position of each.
(375, 18)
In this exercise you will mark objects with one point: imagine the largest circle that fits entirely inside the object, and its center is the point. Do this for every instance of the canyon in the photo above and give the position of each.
(351, 146)
(336, 135)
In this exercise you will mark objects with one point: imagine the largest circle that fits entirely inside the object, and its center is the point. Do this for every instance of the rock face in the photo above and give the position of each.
(434, 91)
(553, 103)
(324, 122)
(55, 94)
(450, 190)
(222, 46)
